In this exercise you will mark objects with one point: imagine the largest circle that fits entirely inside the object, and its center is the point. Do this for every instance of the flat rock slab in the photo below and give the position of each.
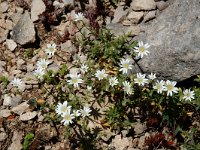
(143, 5)
(28, 116)
(174, 37)
(23, 31)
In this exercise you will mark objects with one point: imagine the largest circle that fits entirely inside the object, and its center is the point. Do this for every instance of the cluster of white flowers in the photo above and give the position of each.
(169, 87)
(18, 83)
(40, 71)
(42, 64)
(68, 114)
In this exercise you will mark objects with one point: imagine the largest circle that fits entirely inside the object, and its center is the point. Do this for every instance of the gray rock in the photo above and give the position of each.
(135, 16)
(54, 67)
(3, 35)
(139, 128)
(119, 14)
(150, 15)
(30, 67)
(11, 44)
(16, 16)
(12, 100)
(161, 5)
(68, 2)
(3, 136)
(68, 46)
(134, 30)
(19, 109)
(143, 5)
(4, 6)
(37, 8)
(28, 116)
(9, 24)
(120, 143)
(16, 141)
(29, 78)
(5, 113)
(23, 31)
(174, 38)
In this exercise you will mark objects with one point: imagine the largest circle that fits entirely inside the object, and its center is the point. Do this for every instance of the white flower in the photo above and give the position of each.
(16, 82)
(188, 95)
(79, 17)
(67, 117)
(100, 74)
(84, 68)
(51, 49)
(159, 86)
(39, 72)
(85, 111)
(140, 79)
(76, 113)
(62, 108)
(170, 87)
(43, 64)
(141, 49)
(127, 87)
(89, 88)
(125, 66)
(113, 81)
(152, 76)
(75, 79)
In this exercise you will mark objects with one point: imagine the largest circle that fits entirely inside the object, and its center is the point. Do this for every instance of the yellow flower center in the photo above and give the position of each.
(170, 87)
(126, 66)
(63, 109)
(74, 80)
(142, 49)
(67, 117)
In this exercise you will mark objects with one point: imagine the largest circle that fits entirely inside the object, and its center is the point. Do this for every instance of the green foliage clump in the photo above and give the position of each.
(27, 140)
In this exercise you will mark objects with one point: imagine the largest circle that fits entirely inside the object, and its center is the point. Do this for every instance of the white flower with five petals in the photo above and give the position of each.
(188, 95)
(75, 79)
(113, 81)
(79, 17)
(62, 108)
(140, 79)
(39, 73)
(141, 49)
(51, 49)
(152, 76)
(43, 64)
(16, 82)
(127, 87)
(85, 111)
(101, 74)
(67, 117)
(125, 65)
(170, 87)
(159, 86)
(84, 68)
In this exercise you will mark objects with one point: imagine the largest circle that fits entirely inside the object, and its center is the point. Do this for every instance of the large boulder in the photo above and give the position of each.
(24, 31)
(174, 37)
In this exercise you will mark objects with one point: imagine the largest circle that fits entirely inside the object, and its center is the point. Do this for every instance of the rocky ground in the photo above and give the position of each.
(24, 34)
